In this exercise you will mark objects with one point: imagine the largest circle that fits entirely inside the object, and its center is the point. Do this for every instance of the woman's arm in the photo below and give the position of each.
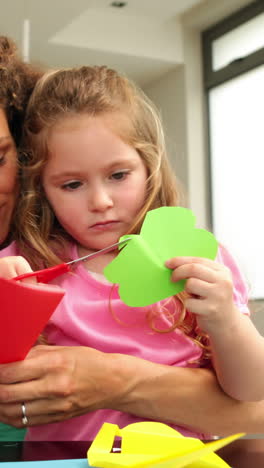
(58, 383)
(188, 397)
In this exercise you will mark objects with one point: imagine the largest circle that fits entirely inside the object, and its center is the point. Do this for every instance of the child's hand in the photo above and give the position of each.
(10, 267)
(211, 289)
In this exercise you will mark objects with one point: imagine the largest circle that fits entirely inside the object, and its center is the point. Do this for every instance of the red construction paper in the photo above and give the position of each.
(24, 311)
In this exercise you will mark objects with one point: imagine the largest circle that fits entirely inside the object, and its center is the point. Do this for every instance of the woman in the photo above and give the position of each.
(17, 80)
(81, 380)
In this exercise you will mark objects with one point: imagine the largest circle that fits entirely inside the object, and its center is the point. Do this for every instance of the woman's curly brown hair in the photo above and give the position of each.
(17, 80)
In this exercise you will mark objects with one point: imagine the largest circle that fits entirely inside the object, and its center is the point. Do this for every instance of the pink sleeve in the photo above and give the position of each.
(9, 251)
(240, 292)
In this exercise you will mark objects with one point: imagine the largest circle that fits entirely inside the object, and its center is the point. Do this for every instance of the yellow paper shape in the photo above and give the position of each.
(154, 444)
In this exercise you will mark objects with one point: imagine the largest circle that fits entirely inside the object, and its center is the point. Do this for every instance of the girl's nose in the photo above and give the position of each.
(100, 199)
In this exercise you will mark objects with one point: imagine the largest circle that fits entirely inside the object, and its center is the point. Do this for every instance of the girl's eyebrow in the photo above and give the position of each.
(62, 175)
(74, 173)
(118, 163)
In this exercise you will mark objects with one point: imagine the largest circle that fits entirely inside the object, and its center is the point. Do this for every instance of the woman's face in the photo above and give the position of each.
(8, 176)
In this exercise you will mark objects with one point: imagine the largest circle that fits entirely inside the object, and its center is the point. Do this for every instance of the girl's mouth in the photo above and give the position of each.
(104, 225)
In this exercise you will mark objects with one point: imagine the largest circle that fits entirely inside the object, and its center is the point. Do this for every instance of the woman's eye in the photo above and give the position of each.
(72, 185)
(2, 159)
(119, 175)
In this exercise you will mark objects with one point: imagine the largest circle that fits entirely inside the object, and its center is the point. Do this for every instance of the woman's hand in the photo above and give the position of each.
(210, 288)
(57, 383)
(10, 267)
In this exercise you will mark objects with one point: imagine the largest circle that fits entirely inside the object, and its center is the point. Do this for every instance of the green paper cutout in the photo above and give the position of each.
(139, 267)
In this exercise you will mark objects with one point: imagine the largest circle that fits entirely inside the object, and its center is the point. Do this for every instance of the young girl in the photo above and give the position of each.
(96, 164)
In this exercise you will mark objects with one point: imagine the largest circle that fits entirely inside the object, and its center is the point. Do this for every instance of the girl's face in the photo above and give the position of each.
(95, 183)
(8, 173)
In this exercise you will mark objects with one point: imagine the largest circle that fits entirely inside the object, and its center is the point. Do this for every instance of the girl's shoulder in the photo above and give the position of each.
(9, 251)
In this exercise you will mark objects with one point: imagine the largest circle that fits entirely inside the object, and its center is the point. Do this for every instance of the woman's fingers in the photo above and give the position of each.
(63, 382)
(23, 371)
(37, 412)
(33, 389)
(14, 372)
(36, 365)
(49, 372)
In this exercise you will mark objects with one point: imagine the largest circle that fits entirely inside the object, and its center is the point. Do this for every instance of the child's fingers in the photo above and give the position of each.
(194, 270)
(198, 288)
(196, 305)
(22, 267)
(10, 267)
(175, 262)
(30, 280)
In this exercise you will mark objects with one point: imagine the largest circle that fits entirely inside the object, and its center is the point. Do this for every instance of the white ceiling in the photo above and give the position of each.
(142, 39)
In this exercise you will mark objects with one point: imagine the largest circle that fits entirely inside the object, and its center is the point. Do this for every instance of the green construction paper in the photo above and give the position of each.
(139, 267)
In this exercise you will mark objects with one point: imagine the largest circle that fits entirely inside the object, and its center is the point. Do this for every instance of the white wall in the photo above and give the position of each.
(193, 23)
(168, 95)
(180, 97)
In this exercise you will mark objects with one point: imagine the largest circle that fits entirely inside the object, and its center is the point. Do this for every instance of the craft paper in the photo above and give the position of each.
(154, 444)
(25, 310)
(139, 268)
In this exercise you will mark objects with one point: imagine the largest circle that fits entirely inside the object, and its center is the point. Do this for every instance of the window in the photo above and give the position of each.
(234, 83)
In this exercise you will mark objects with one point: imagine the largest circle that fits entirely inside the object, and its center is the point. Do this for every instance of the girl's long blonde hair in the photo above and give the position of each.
(90, 91)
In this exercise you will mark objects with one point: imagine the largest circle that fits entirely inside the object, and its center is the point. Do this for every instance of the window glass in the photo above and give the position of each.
(237, 171)
(241, 41)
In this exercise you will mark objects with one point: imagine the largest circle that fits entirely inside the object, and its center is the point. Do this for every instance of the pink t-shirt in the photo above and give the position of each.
(84, 318)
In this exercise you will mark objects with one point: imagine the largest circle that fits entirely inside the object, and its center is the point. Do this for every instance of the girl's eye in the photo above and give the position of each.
(75, 184)
(119, 175)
